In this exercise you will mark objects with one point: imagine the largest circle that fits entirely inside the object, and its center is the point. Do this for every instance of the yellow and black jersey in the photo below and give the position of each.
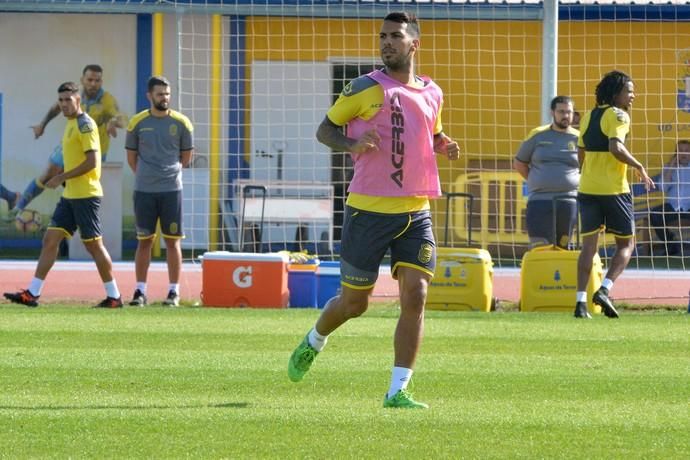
(361, 98)
(602, 173)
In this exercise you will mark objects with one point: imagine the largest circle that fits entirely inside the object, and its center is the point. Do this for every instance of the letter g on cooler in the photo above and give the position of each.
(242, 277)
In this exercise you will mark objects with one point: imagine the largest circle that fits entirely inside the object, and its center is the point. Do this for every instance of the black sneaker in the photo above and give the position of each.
(138, 299)
(601, 298)
(110, 302)
(581, 311)
(173, 299)
(24, 297)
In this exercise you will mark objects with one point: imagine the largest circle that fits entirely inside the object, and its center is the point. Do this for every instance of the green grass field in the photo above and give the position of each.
(211, 383)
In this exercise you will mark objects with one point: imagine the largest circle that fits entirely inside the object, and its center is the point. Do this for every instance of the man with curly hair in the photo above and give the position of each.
(604, 193)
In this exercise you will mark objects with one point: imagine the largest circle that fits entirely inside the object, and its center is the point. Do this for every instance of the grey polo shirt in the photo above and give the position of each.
(552, 159)
(158, 142)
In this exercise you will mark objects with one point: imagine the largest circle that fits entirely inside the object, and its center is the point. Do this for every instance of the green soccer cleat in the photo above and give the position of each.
(301, 360)
(403, 400)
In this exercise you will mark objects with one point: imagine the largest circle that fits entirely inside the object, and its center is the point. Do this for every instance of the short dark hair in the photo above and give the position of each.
(560, 100)
(403, 17)
(157, 80)
(92, 68)
(68, 86)
(610, 85)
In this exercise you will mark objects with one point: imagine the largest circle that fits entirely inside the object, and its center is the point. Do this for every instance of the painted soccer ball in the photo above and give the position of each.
(28, 221)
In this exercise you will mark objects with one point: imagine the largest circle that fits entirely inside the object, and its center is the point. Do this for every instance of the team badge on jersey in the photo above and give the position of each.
(173, 130)
(85, 128)
(85, 124)
(425, 252)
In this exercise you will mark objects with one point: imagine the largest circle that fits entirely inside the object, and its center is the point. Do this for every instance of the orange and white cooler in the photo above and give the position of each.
(237, 279)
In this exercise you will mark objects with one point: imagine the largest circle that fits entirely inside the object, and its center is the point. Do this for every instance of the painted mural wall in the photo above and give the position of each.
(34, 63)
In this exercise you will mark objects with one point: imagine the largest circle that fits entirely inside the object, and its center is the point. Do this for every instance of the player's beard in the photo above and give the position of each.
(162, 106)
(90, 93)
(563, 124)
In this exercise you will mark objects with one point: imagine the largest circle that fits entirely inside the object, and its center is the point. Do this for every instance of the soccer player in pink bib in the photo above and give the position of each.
(393, 130)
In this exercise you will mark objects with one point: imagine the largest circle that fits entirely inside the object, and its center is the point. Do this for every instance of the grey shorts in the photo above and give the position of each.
(166, 206)
(367, 236)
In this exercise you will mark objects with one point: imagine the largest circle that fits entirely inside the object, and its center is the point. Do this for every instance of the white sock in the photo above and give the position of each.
(607, 284)
(36, 286)
(316, 340)
(581, 296)
(400, 377)
(141, 286)
(111, 289)
(175, 287)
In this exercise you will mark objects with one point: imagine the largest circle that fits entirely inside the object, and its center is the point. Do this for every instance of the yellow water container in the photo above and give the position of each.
(463, 280)
(548, 280)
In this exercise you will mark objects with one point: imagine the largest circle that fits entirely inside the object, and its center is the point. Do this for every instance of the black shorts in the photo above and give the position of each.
(368, 235)
(540, 221)
(166, 206)
(81, 213)
(611, 212)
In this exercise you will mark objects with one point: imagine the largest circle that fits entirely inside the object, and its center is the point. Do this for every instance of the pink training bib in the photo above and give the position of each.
(405, 164)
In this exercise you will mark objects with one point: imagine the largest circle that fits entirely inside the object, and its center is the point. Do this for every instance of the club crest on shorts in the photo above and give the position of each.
(425, 252)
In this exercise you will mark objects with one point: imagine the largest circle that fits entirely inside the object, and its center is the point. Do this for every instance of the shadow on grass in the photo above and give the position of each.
(238, 405)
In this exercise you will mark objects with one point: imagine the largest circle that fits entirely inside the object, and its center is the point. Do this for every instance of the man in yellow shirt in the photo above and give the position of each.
(78, 207)
(604, 193)
(101, 106)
